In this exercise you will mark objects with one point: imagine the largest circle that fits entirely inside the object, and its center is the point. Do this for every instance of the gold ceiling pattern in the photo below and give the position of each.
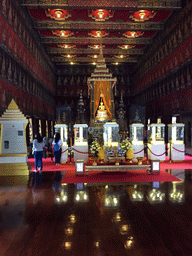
(78, 28)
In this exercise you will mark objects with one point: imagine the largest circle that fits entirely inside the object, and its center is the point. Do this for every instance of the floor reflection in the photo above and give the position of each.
(98, 219)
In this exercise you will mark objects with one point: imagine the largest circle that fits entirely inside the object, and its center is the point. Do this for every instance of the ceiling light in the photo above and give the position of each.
(100, 13)
(58, 13)
(142, 14)
(132, 34)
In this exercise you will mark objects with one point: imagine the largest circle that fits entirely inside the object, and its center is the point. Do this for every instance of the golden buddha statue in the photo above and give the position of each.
(102, 112)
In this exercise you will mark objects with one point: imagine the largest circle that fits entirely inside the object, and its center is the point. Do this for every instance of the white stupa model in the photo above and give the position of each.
(13, 148)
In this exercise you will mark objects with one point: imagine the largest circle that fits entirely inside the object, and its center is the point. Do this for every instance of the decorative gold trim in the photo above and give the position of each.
(90, 40)
(13, 155)
(25, 126)
(96, 52)
(1, 138)
(14, 169)
(150, 4)
(112, 26)
(79, 59)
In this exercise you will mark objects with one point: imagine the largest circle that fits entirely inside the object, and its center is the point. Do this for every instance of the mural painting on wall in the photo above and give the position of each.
(137, 114)
(77, 78)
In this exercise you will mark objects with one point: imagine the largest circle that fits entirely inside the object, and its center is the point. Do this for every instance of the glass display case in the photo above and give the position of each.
(136, 137)
(176, 145)
(80, 142)
(156, 133)
(111, 134)
(62, 129)
(156, 142)
(80, 134)
(176, 133)
(136, 134)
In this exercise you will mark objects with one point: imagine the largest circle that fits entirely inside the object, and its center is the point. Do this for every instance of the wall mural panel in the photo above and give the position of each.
(72, 79)
(14, 45)
(175, 103)
(24, 101)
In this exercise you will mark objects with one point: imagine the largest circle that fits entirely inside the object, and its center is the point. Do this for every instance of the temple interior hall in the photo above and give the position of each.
(113, 79)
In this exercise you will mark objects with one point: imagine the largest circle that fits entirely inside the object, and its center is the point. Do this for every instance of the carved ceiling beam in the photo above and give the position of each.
(70, 25)
(113, 4)
(95, 51)
(88, 40)
(90, 60)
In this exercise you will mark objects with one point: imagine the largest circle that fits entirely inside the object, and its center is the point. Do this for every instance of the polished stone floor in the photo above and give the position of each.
(136, 219)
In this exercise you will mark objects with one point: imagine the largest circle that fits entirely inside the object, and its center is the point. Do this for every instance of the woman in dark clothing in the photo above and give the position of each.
(57, 143)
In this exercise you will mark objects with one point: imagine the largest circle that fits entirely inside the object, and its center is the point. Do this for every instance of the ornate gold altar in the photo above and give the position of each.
(101, 84)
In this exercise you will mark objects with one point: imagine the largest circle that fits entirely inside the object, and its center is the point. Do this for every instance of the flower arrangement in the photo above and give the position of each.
(125, 145)
(95, 147)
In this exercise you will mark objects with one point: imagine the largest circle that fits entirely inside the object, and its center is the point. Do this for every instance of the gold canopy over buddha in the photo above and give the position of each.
(102, 83)
(101, 114)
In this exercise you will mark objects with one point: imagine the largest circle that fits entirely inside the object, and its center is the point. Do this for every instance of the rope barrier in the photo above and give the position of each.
(64, 151)
(181, 151)
(73, 149)
(139, 151)
(157, 155)
(80, 151)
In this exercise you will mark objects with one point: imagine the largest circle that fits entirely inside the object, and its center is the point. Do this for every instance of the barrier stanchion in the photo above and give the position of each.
(70, 156)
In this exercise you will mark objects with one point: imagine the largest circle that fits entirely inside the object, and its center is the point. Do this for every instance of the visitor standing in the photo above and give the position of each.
(38, 146)
(45, 140)
(50, 148)
(57, 143)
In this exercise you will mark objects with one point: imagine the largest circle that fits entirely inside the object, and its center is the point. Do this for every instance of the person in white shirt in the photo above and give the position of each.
(57, 143)
(38, 146)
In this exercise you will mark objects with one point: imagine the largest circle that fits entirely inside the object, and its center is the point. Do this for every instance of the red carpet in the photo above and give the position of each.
(101, 177)
(48, 166)
(130, 176)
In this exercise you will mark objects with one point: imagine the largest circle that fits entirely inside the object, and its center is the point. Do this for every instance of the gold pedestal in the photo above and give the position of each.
(140, 159)
(94, 159)
(117, 159)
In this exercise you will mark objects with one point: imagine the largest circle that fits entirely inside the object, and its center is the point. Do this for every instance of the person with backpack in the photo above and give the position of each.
(38, 146)
(57, 143)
